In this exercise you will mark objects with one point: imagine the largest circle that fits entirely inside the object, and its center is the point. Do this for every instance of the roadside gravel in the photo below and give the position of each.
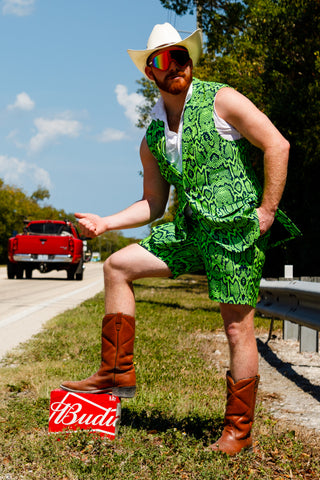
(290, 381)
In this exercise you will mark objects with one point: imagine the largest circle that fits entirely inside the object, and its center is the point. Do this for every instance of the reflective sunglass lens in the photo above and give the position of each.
(161, 61)
(180, 57)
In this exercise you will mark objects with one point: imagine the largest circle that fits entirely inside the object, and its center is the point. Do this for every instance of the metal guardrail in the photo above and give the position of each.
(294, 301)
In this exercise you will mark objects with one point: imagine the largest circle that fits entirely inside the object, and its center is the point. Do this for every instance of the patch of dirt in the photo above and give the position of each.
(289, 381)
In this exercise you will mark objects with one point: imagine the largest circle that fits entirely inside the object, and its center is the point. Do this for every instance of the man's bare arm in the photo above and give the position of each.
(254, 125)
(151, 206)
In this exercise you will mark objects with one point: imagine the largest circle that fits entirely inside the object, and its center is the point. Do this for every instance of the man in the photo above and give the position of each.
(199, 140)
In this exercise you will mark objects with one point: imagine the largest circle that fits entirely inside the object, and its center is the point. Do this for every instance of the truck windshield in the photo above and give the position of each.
(49, 229)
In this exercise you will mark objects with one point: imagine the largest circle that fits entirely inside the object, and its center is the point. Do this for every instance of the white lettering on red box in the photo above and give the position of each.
(71, 410)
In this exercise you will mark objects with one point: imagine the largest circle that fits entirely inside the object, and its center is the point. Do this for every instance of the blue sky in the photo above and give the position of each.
(68, 98)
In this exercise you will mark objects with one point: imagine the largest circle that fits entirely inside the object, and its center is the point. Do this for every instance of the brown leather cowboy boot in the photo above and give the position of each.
(238, 420)
(116, 374)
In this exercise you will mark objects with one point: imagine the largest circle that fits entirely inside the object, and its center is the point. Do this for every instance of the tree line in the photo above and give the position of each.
(16, 208)
(269, 50)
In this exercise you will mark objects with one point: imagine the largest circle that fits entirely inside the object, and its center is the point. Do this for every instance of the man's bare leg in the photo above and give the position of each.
(242, 379)
(121, 269)
(239, 328)
(116, 374)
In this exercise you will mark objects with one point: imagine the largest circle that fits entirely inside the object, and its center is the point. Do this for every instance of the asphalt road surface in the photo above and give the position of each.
(25, 305)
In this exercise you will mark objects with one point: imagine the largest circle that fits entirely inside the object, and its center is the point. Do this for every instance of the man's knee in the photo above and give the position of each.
(114, 264)
(238, 320)
(235, 312)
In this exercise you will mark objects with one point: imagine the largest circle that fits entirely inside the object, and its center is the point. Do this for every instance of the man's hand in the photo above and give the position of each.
(91, 225)
(266, 219)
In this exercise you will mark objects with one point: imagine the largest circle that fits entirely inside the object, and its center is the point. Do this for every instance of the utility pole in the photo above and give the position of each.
(199, 16)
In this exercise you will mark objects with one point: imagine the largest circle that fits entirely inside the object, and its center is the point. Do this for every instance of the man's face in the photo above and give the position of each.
(177, 77)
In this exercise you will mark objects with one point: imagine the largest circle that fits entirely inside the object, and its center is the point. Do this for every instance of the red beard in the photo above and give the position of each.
(175, 82)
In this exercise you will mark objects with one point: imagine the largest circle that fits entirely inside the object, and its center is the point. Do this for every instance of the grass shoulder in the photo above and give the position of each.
(177, 412)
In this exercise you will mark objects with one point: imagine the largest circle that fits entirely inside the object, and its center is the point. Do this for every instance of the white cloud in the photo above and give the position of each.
(130, 102)
(23, 102)
(13, 137)
(19, 172)
(20, 8)
(111, 135)
(13, 134)
(49, 130)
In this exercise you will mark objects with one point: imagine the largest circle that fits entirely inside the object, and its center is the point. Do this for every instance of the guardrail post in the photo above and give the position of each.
(290, 330)
(309, 340)
(288, 272)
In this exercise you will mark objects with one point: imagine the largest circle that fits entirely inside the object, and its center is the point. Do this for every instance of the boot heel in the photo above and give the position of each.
(124, 392)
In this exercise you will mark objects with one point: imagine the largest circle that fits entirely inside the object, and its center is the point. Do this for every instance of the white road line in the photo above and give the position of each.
(40, 306)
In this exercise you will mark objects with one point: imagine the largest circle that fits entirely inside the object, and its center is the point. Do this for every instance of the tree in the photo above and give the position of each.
(151, 94)
(16, 207)
(289, 32)
(109, 242)
(269, 50)
(221, 21)
(40, 194)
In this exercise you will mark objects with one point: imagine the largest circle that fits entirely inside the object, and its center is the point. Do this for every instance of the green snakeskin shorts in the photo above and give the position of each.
(233, 277)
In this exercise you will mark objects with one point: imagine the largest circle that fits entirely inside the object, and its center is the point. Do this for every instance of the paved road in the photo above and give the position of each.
(25, 305)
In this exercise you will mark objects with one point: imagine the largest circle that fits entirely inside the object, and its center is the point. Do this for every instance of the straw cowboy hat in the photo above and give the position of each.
(165, 35)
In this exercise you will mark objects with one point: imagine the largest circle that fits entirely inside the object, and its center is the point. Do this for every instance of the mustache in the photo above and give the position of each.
(174, 74)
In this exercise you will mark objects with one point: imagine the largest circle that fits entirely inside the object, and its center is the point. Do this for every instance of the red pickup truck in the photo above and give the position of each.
(46, 245)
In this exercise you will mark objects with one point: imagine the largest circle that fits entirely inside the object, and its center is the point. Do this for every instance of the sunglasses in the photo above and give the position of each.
(163, 59)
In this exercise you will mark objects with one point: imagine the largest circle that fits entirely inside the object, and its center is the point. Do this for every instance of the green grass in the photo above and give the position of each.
(177, 412)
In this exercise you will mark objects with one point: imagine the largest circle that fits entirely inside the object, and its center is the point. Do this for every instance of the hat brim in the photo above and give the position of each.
(193, 44)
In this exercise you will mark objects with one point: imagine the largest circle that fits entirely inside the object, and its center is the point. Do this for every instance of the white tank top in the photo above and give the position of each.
(174, 140)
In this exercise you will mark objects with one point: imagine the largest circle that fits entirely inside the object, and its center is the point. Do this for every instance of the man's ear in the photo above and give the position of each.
(149, 73)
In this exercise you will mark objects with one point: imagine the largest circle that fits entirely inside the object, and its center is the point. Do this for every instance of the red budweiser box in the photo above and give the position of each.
(95, 412)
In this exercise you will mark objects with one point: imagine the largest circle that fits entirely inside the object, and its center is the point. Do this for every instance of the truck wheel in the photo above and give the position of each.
(28, 273)
(70, 275)
(19, 272)
(79, 276)
(79, 271)
(71, 272)
(11, 270)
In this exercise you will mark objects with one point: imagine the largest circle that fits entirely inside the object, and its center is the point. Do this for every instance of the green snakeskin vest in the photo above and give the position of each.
(217, 181)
